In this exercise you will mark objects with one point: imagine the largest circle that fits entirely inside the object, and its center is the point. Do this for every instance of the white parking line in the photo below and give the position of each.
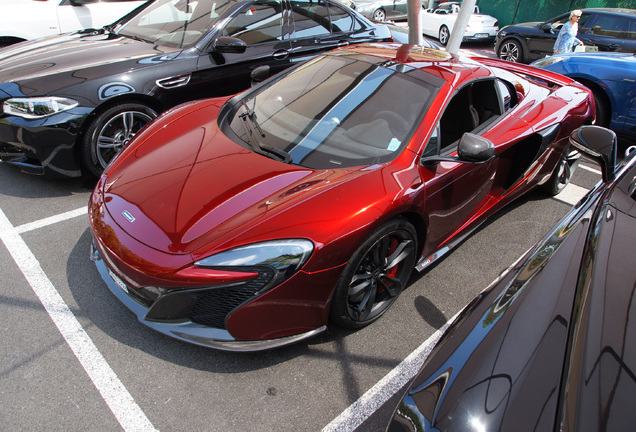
(51, 220)
(392, 382)
(121, 403)
(571, 194)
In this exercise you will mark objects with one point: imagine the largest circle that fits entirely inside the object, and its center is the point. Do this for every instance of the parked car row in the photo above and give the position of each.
(256, 186)
(437, 22)
(608, 29)
(71, 102)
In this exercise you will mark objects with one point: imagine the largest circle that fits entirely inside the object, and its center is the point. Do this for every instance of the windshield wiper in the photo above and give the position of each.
(253, 128)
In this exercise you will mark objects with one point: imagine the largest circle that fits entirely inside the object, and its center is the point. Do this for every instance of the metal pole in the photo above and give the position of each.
(457, 33)
(413, 10)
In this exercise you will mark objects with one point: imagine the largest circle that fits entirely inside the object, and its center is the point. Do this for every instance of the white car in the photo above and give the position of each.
(22, 20)
(439, 23)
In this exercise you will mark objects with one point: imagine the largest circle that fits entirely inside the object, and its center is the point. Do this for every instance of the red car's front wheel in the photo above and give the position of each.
(376, 274)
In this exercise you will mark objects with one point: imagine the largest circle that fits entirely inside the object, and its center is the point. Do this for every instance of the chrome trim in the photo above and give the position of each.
(173, 82)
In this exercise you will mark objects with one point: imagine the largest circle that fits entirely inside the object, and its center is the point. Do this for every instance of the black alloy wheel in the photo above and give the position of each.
(110, 132)
(375, 276)
(562, 173)
(510, 50)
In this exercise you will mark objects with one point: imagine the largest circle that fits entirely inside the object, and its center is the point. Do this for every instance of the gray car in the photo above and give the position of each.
(382, 10)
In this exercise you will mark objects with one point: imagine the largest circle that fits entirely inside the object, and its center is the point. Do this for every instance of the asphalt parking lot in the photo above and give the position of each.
(73, 358)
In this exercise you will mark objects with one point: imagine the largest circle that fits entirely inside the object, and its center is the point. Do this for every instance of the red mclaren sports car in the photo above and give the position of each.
(254, 221)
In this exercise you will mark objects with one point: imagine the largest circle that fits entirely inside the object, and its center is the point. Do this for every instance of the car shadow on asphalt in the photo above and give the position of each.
(18, 184)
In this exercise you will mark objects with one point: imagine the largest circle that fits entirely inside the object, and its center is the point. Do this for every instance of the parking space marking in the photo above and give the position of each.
(571, 194)
(21, 229)
(379, 394)
(121, 403)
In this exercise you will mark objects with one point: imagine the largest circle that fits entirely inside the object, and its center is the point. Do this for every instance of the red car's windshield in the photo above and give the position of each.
(335, 112)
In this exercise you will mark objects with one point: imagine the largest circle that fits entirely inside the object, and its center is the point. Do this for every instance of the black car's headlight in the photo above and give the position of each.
(37, 107)
(284, 257)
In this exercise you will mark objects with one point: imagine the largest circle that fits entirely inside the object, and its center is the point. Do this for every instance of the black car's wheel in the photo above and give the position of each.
(510, 50)
(110, 132)
(379, 15)
(444, 35)
(376, 274)
(563, 172)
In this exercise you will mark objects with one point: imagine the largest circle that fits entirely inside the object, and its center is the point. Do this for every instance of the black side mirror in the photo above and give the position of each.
(474, 148)
(599, 144)
(471, 149)
(260, 74)
(547, 28)
(230, 45)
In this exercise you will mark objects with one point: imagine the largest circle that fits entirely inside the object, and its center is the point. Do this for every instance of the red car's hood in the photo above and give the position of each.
(179, 190)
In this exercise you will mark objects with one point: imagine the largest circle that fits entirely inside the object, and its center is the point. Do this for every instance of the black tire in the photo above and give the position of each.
(603, 108)
(379, 15)
(444, 35)
(511, 50)
(376, 274)
(110, 132)
(563, 172)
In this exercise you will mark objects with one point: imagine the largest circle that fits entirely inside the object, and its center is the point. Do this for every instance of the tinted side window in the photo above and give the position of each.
(341, 21)
(507, 94)
(583, 23)
(311, 18)
(260, 22)
(631, 33)
(610, 25)
(473, 109)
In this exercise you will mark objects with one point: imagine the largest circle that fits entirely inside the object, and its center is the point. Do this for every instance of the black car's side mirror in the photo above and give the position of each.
(547, 28)
(229, 45)
(471, 149)
(599, 144)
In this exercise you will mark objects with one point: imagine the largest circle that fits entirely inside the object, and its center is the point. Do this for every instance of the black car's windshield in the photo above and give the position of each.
(335, 111)
(176, 23)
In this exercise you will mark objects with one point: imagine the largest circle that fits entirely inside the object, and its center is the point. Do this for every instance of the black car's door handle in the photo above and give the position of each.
(280, 54)
(343, 43)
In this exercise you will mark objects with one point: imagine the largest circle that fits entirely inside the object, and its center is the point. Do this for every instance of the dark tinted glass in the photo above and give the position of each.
(341, 21)
(259, 22)
(335, 112)
(311, 18)
(176, 23)
(610, 25)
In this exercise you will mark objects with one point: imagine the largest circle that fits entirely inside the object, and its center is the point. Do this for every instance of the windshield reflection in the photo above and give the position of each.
(337, 112)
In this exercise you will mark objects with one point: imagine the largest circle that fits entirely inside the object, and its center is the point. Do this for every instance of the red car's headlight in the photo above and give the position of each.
(286, 257)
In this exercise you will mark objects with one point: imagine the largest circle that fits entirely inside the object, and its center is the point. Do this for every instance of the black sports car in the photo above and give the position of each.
(71, 102)
(551, 344)
(608, 29)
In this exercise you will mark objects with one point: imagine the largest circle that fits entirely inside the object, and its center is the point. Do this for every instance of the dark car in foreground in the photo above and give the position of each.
(551, 344)
(71, 102)
(607, 29)
(612, 79)
(251, 222)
